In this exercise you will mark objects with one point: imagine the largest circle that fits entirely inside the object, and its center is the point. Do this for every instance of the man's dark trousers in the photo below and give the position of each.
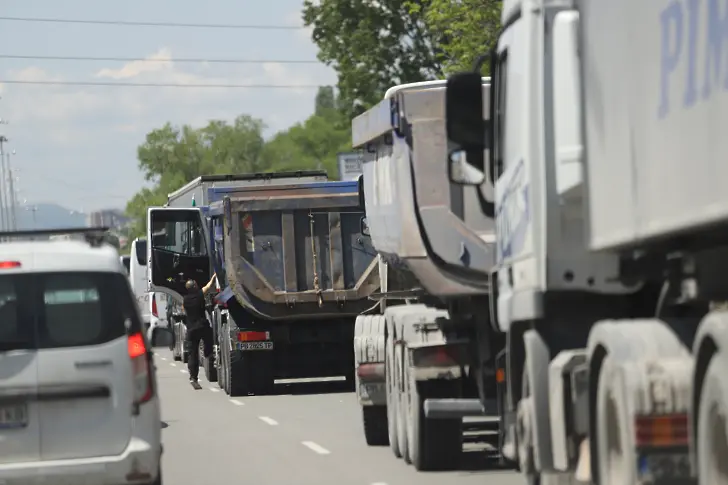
(194, 336)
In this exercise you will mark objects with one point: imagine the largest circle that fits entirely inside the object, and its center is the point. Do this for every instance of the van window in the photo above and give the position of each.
(58, 310)
(16, 326)
(141, 252)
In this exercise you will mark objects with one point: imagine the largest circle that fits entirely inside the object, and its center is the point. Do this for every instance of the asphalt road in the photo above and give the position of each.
(301, 436)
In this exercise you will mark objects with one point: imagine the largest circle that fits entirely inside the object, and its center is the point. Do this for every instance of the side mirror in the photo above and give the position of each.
(364, 227)
(360, 186)
(461, 167)
(464, 111)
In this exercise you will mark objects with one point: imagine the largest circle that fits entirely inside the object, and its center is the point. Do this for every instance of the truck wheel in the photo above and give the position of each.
(400, 400)
(524, 433)
(712, 441)
(391, 390)
(219, 366)
(375, 425)
(616, 449)
(208, 365)
(433, 444)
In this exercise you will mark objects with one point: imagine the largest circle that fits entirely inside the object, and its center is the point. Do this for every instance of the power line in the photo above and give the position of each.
(164, 85)
(141, 59)
(152, 24)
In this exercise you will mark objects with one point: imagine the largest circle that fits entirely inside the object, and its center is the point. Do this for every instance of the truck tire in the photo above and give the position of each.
(375, 425)
(711, 429)
(616, 455)
(433, 444)
(208, 363)
(391, 400)
(400, 403)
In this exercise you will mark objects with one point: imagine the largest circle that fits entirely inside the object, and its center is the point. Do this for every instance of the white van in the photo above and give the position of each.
(78, 389)
(138, 279)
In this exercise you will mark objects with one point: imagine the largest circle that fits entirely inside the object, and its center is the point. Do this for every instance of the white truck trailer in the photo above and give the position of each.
(429, 359)
(612, 227)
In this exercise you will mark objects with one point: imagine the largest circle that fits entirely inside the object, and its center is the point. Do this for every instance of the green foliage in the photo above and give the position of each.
(372, 46)
(466, 29)
(172, 156)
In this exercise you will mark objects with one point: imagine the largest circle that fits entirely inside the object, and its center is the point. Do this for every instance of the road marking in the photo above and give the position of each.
(173, 364)
(315, 447)
(214, 389)
(379, 483)
(268, 420)
(163, 358)
(236, 402)
(182, 371)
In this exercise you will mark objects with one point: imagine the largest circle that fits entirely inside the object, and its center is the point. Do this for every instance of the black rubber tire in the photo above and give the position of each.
(208, 364)
(433, 444)
(376, 431)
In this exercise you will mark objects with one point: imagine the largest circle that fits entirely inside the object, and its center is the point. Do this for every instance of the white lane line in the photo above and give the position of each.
(182, 371)
(268, 420)
(214, 389)
(173, 364)
(315, 447)
(163, 358)
(379, 483)
(236, 402)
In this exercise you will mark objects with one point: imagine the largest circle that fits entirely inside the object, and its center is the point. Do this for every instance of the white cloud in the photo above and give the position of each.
(90, 125)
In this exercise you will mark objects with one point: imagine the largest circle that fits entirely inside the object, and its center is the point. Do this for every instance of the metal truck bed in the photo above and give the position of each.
(416, 216)
(197, 188)
(659, 127)
(296, 251)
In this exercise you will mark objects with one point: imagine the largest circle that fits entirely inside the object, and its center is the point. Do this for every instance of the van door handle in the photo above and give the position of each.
(92, 363)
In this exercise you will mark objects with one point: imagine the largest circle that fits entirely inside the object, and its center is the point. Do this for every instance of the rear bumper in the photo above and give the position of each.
(140, 460)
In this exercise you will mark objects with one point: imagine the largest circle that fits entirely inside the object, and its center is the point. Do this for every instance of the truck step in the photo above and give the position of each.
(453, 408)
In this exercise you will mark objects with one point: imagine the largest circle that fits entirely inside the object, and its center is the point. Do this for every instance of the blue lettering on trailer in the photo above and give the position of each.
(679, 27)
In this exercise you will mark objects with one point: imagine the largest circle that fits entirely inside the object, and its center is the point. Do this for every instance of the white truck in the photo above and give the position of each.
(612, 234)
(428, 358)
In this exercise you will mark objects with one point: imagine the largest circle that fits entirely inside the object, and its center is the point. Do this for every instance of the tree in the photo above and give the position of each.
(172, 156)
(466, 29)
(372, 46)
(314, 143)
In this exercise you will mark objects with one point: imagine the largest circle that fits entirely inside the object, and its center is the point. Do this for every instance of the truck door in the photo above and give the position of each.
(177, 239)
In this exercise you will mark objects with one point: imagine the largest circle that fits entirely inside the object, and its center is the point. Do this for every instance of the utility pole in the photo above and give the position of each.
(3, 190)
(13, 195)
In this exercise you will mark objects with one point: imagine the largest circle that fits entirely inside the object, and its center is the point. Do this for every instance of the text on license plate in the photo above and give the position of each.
(255, 345)
(13, 416)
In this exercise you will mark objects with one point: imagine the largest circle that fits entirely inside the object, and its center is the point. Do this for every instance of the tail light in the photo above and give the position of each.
(9, 264)
(154, 306)
(140, 363)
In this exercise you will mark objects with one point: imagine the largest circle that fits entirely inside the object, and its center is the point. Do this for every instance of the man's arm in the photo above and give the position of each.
(209, 284)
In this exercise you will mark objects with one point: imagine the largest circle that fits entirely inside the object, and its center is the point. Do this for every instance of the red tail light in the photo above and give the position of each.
(253, 336)
(9, 264)
(140, 362)
(154, 306)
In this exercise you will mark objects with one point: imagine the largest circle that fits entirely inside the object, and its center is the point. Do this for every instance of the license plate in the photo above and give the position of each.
(255, 345)
(14, 416)
(664, 467)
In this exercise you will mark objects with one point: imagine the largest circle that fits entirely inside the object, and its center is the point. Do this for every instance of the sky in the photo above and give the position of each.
(76, 145)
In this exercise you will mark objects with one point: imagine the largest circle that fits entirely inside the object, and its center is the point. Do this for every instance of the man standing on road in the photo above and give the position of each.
(198, 327)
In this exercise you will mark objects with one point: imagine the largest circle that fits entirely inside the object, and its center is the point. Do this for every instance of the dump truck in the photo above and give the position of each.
(194, 194)
(294, 268)
(607, 156)
(430, 356)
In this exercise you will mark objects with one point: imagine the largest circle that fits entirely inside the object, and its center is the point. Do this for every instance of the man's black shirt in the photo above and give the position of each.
(194, 303)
